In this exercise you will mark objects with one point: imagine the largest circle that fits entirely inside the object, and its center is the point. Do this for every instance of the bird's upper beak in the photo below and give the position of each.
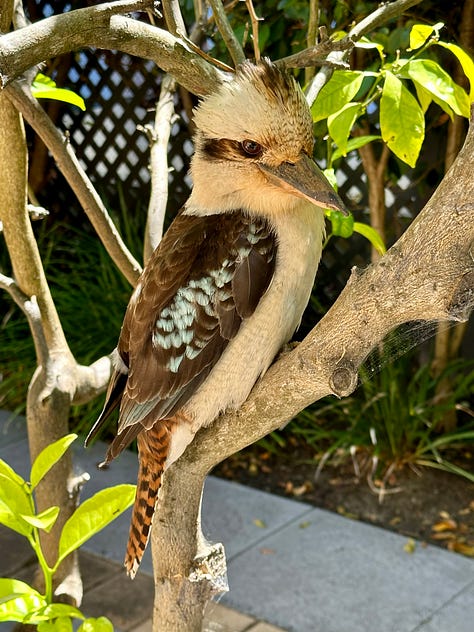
(304, 179)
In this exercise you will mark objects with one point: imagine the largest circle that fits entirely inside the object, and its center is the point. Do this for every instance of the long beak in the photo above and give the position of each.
(304, 179)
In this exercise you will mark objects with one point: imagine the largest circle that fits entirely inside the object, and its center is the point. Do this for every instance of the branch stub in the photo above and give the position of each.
(343, 379)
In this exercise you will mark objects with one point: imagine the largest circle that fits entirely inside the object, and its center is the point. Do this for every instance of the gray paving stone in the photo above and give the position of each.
(240, 517)
(457, 615)
(336, 575)
(12, 428)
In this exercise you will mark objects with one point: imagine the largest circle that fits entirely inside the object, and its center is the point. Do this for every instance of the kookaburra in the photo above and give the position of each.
(227, 286)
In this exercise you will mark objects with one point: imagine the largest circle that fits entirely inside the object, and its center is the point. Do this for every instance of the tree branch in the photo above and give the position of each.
(30, 309)
(159, 138)
(228, 35)
(20, 95)
(99, 27)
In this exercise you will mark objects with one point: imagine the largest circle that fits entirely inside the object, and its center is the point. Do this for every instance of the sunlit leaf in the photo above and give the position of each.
(9, 472)
(402, 122)
(355, 143)
(341, 225)
(61, 624)
(466, 62)
(372, 235)
(45, 88)
(60, 610)
(14, 503)
(341, 123)
(433, 78)
(101, 624)
(339, 90)
(421, 32)
(17, 600)
(45, 520)
(93, 515)
(424, 97)
(49, 457)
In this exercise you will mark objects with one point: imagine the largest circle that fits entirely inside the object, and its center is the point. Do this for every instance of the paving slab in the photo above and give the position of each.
(289, 564)
(330, 574)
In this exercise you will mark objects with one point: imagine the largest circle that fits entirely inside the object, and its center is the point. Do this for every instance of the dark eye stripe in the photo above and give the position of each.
(225, 149)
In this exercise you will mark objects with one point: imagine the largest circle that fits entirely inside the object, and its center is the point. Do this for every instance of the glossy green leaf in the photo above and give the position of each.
(341, 225)
(49, 457)
(372, 235)
(18, 600)
(433, 78)
(366, 43)
(339, 90)
(93, 515)
(9, 472)
(355, 143)
(61, 624)
(421, 32)
(59, 611)
(45, 88)
(466, 62)
(424, 97)
(14, 503)
(101, 624)
(341, 123)
(45, 520)
(402, 122)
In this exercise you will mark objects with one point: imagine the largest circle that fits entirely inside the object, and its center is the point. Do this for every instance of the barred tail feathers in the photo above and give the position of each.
(153, 448)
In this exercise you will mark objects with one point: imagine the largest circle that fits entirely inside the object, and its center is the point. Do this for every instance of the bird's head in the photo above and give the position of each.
(254, 146)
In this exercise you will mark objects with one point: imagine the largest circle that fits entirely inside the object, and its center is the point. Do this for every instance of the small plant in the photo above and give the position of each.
(393, 420)
(18, 600)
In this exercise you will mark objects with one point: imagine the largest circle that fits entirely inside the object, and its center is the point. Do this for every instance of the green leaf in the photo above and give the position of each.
(59, 611)
(93, 515)
(421, 32)
(372, 235)
(18, 600)
(341, 225)
(62, 624)
(466, 62)
(354, 143)
(45, 88)
(15, 502)
(402, 122)
(49, 457)
(341, 123)
(364, 42)
(45, 520)
(339, 90)
(424, 97)
(9, 472)
(101, 624)
(433, 78)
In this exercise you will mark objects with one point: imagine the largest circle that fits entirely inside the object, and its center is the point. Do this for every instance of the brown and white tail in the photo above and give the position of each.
(153, 450)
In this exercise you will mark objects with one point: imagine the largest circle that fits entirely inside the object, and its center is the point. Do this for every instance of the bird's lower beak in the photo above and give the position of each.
(304, 179)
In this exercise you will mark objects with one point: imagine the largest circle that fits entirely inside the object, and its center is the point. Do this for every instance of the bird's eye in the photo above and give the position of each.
(251, 147)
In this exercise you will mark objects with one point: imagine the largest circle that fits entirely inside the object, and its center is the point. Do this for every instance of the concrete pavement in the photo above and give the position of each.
(289, 564)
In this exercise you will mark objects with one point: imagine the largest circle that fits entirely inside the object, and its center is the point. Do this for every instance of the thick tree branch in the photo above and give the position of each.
(20, 95)
(99, 27)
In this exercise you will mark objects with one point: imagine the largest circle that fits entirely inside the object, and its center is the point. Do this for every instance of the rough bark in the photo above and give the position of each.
(427, 275)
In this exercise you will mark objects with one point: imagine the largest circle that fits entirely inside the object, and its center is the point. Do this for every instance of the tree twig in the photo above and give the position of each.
(228, 35)
(312, 34)
(20, 95)
(173, 17)
(254, 20)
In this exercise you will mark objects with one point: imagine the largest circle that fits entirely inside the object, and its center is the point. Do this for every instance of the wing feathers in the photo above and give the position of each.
(207, 275)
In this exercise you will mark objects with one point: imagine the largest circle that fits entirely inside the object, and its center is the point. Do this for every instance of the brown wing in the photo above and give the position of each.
(206, 276)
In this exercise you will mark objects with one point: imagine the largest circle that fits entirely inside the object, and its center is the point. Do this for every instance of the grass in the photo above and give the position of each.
(395, 419)
(90, 296)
